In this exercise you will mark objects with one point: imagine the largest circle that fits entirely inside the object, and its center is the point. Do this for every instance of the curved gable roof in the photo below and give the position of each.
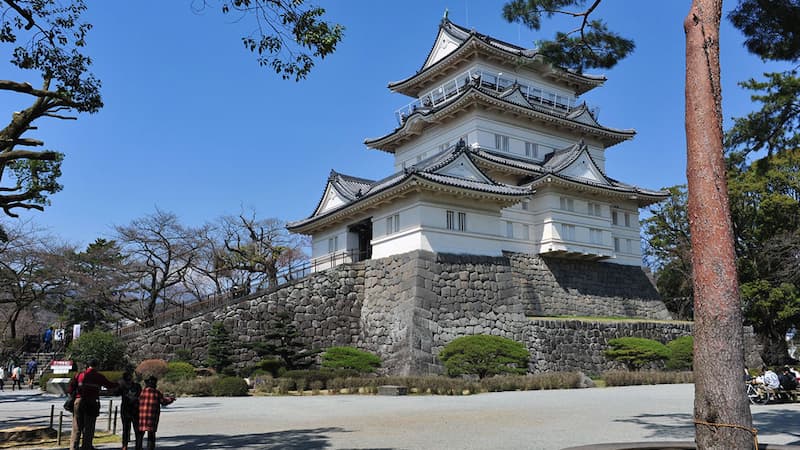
(419, 119)
(455, 38)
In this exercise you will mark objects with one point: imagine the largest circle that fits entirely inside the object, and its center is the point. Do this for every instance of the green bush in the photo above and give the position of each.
(229, 387)
(107, 349)
(272, 366)
(199, 387)
(350, 358)
(484, 356)
(179, 371)
(183, 355)
(636, 352)
(681, 353)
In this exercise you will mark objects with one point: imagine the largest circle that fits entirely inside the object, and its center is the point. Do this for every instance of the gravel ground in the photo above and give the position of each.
(545, 420)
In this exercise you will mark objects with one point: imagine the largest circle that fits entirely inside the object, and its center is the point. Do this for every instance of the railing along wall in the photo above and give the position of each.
(183, 311)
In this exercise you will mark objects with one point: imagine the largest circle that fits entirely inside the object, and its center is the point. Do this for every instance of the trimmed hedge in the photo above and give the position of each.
(350, 358)
(681, 353)
(152, 368)
(179, 371)
(484, 355)
(636, 352)
(229, 387)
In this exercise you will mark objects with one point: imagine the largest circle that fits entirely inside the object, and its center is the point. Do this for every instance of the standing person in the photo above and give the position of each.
(150, 402)
(130, 391)
(86, 388)
(48, 339)
(30, 370)
(16, 377)
(2, 378)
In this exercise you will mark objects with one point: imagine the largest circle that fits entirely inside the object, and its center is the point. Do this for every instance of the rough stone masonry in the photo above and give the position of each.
(405, 308)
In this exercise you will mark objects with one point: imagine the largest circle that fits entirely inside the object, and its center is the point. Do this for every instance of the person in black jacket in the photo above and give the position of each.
(787, 379)
(130, 390)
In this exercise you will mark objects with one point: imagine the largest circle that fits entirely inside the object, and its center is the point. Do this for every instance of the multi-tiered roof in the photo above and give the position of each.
(445, 87)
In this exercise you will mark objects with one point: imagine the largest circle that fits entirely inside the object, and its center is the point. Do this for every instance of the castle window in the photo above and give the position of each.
(461, 225)
(501, 142)
(526, 231)
(595, 210)
(629, 245)
(567, 204)
(567, 232)
(627, 220)
(615, 217)
(595, 236)
(525, 205)
(616, 245)
(333, 244)
(510, 230)
(393, 224)
(531, 150)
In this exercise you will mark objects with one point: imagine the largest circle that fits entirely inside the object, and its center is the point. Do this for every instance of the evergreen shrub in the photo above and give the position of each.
(107, 349)
(179, 371)
(229, 387)
(350, 358)
(636, 352)
(681, 353)
(484, 355)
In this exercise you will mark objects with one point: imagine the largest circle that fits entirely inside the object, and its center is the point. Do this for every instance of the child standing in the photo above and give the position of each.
(150, 402)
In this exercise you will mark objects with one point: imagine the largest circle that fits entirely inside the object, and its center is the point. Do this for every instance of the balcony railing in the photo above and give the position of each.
(492, 81)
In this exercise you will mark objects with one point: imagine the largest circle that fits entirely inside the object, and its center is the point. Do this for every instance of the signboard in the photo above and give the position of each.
(60, 366)
(76, 331)
(58, 335)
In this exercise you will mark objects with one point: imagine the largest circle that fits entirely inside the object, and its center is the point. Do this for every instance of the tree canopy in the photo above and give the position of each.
(48, 38)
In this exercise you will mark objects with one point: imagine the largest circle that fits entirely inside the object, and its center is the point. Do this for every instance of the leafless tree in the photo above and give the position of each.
(161, 253)
(28, 277)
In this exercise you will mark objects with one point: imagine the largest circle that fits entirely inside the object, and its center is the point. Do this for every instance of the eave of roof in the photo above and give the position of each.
(477, 41)
(643, 197)
(413, 180)
(389, 142)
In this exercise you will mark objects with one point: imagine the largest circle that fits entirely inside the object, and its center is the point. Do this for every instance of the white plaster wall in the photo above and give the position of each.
(432, 137)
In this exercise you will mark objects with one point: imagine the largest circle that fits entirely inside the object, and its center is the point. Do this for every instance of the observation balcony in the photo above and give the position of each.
(496, 82)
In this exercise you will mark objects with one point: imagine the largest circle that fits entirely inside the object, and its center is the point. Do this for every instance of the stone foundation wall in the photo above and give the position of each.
(405, 308)
(326, 308)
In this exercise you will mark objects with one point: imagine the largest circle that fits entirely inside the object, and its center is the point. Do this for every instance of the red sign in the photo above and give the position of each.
(55, 363)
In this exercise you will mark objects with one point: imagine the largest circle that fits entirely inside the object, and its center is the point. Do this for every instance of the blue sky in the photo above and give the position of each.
(192, 125)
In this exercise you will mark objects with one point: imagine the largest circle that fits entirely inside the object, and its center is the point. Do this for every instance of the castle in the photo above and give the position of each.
(499, 219)
(494, 154)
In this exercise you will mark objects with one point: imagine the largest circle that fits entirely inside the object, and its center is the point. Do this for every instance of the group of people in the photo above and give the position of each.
(140, 410)
(788, 379)
(13, 371)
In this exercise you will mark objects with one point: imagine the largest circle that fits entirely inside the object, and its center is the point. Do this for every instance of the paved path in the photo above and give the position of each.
(545, 420)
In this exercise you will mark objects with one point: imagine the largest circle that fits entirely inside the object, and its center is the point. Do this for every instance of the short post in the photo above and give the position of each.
(60, 422)
(110, 403)
(114, 431)
(52, 413)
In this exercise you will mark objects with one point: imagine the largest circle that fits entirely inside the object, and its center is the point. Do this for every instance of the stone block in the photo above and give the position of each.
(392, 390)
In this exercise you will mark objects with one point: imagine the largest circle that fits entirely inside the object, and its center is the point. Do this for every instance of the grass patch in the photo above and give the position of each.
(100, 437)
(606, 319)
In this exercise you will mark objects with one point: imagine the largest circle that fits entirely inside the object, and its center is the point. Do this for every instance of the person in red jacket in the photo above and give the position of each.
(150, 401)
(86, 388)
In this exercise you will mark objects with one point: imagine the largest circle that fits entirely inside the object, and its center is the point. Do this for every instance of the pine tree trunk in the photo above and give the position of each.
(718, 333)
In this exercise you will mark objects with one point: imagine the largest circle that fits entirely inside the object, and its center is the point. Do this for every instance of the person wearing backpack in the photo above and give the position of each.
(130, 391)
(86, 389)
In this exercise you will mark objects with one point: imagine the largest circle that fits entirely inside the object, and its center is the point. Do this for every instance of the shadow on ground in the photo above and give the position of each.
(664, 426)
(681, 426)
(310, 439)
